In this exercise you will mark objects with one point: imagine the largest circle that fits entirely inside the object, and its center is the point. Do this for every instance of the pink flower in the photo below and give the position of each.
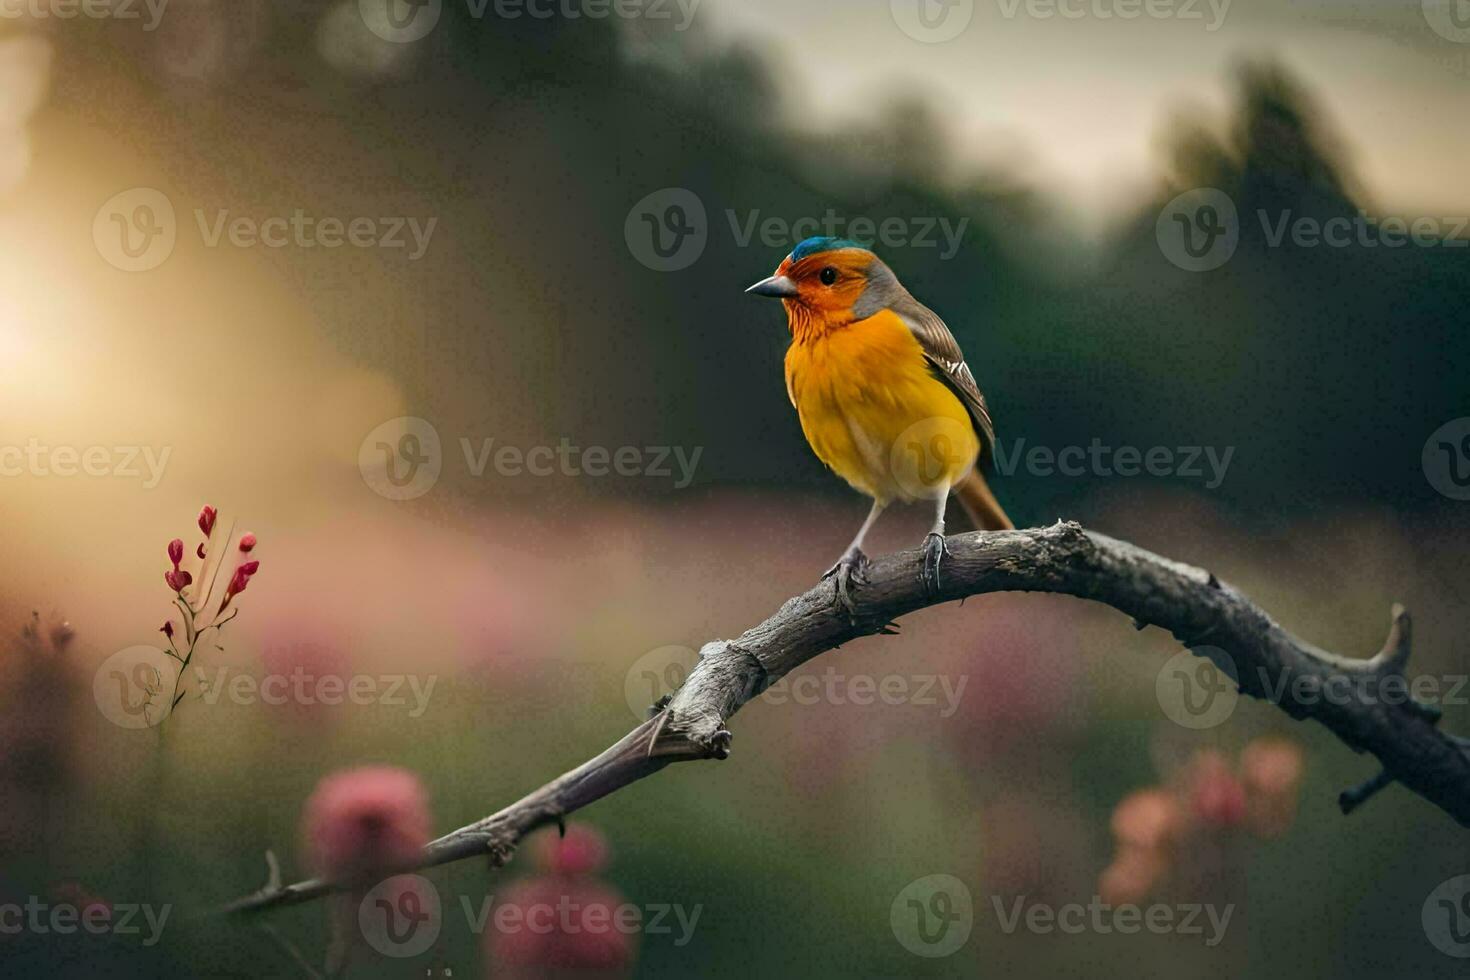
(206, 519)
(168, 628)
(177, 579)
(247, 542)
(176, 551)
(563, 919)
(365, 821)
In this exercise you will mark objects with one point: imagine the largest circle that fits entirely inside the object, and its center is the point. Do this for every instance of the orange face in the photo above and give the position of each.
(828, 284)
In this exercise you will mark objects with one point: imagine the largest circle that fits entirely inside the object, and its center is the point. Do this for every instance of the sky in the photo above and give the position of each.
(1082, 99)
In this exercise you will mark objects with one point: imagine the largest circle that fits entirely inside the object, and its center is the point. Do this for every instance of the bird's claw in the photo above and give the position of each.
(935, 550)
(851, 569)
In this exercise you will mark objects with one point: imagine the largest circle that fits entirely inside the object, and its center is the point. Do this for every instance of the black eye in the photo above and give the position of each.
(828, 276)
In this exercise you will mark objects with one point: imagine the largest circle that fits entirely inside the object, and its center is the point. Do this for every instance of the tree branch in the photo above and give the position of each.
(1346, 695)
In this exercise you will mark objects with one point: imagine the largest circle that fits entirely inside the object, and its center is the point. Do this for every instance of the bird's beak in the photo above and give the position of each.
(778, 286)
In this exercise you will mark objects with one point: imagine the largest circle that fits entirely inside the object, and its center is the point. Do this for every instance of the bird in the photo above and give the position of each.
(884, 396)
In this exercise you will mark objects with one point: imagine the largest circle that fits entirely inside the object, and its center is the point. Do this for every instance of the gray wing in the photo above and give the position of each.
(947, 362)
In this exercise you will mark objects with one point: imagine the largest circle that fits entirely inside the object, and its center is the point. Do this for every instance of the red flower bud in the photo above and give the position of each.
(168, 628)
(200, 551)
(238, 581)
(247, 542)
(176, 551)
(206, 519)
(177, 579)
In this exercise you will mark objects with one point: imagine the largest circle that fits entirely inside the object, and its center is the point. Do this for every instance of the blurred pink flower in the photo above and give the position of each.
(247, 542)
(564, 919)
(1149, 818)
(1272, 771)
(368, 820)
(1200, 814)
(1216, 795)
(206, 519)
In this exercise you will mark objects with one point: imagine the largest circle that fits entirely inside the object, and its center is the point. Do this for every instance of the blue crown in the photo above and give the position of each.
(816, 246)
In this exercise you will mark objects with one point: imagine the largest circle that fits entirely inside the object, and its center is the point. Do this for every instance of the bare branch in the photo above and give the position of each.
(1189, 602)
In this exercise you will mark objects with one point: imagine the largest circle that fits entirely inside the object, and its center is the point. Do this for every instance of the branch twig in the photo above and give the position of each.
(1190, 602)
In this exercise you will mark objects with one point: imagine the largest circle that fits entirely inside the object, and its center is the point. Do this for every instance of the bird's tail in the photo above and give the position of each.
(984, 510)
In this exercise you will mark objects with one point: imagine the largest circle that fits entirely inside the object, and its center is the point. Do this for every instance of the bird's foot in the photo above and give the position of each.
(935, 551)
(851, 569)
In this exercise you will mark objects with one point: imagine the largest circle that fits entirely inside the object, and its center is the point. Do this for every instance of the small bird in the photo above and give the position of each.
(883, 393)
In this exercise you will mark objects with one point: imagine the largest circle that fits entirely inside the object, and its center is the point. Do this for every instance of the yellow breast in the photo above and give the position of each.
(873, 412)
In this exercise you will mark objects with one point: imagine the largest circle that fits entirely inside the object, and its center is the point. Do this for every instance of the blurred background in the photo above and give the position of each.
(442, 302)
